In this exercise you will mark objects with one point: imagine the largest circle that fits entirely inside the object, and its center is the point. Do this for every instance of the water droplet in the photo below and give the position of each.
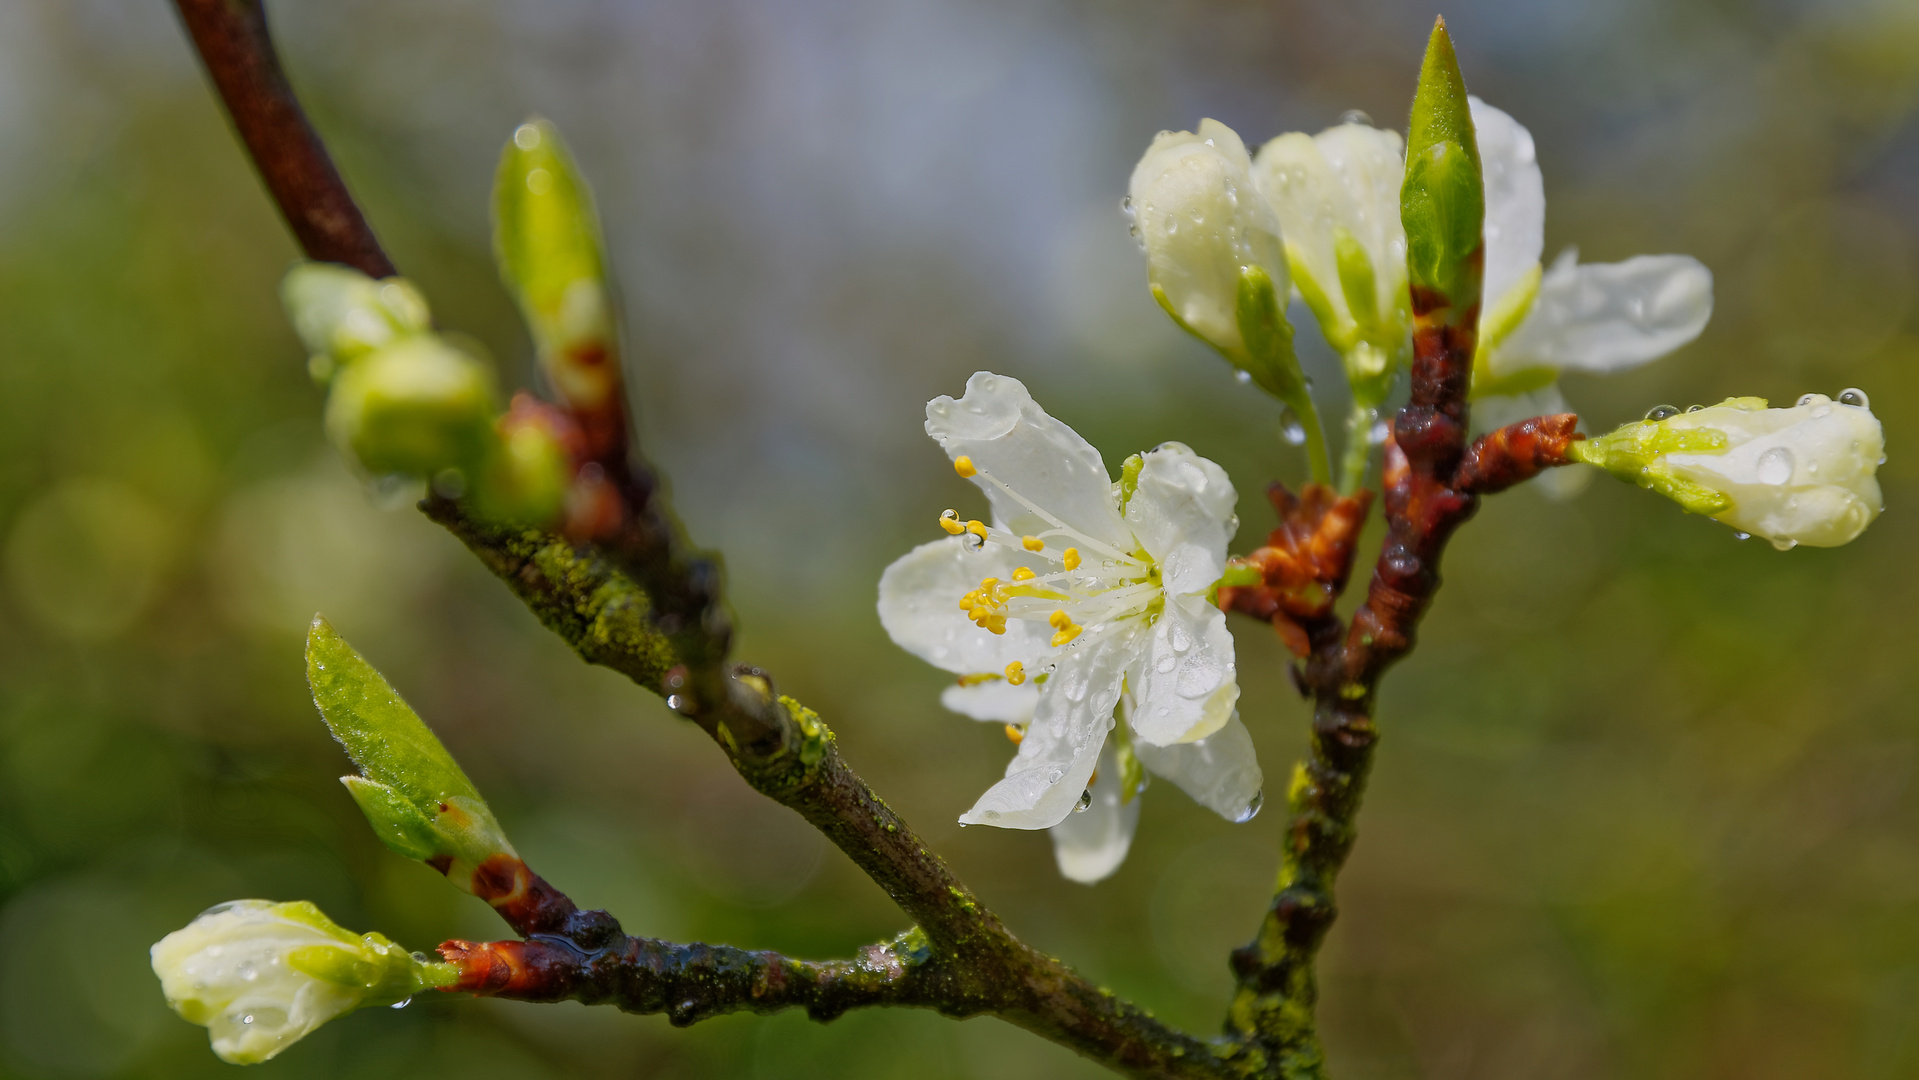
(1179, 638)
(1855, 397)
(1252, 809)
(973, 541)
(247, 1019)
(1775, 466)
(1661, 412)
(1737, 535)
(526, 136)
(1379, 432)
(247, 972)
(401, 1004)
(1126, 204)
(1165, 665)
(1085, 800)
(539, 181)
(1804, 400)
(1291, 429)
(1785, 545)
(1243, 375)
(675, 702)
(1053, 777)
(1355, 116)
(1694, 408)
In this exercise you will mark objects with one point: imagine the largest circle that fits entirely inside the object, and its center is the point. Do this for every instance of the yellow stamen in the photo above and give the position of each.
(951, 523)
(963, 465)
(1031, 543)
(1023, 574)
(1059, 620)
(977, 528)
(987, 583)
(998, 625)
(975, 680)
(1016, 673)
(1072, 558)
(1066, 635)
(1015, 735)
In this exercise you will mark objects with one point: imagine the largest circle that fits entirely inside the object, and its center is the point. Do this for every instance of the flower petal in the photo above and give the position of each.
(1186, 683)
(1304, 190)
(1515, 199)
(1090, 845)
(1370, 163)
(1004, 431)
(1221, 771)
(1182, 513)
(1061, 748)
(997, 702)
(1610, 316)
(919, 606)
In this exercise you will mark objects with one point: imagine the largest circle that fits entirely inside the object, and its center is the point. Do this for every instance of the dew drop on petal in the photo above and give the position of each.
(1737, 535)
(1085, 800)
(1355, 116)
(1661, 412)
(1804, 400)
(1291, 429)
(1775, 466)
(1243, 375)
(1053, 777)
(1252, 809)
(1165, 665)
(1694, 408)
(1785, 545)
(1855, 397)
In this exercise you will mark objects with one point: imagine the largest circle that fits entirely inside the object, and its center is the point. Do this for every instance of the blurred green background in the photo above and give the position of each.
(1645, 805)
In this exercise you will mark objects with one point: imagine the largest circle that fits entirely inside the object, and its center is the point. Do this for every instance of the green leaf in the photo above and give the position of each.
(381, 733)
(1442, 201)
(1270, 359)
(398, 823)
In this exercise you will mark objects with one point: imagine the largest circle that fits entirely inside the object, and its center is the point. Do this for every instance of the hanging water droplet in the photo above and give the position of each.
(1379, 432)
(1085, 800)
(1661, 412)
(1737, 535)
(675, 702)
(973, 541)
(1355, 116)
(1252, 809)
(401, 1004)
(1855, 397)
(1785, 545)
(1290, 429)
(1243, 375)
(1775, 466)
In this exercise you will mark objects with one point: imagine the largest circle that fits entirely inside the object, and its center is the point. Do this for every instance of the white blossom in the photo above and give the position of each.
(1202, 223)
(260, 976)
(1336, 195)
(1804, 475)
(1598, 317)
(1085, 589)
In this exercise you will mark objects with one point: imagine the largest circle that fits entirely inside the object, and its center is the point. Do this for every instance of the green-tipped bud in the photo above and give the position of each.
(1804, 475)
(527, 475)
(547, 240)
(415, 407)
(412, 792)
(1442, 202)
(342, 314)
(261, 976)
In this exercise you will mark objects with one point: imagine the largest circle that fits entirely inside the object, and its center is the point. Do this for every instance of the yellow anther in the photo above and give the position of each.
(1023, 574)
(1059, 620)
(998, 625)
(1072, 558)
(977, 528)
(1031, 543)
(951, 523)
(963, 465)
(1016, 673)
(987, 583)
(975, 680)
(1015, 735)
(1066, 635)
(967, 601)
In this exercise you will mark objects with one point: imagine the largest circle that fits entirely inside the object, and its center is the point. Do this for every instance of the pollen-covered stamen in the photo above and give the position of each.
(1059, 527)
(1015, 673)
(949, 520)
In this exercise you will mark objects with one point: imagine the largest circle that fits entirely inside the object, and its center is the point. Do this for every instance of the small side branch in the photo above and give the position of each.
(1516, 453)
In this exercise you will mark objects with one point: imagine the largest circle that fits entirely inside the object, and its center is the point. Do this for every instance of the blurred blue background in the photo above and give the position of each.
(1645, 804)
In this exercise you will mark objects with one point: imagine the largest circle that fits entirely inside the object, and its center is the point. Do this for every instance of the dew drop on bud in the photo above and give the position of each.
(1291, 429)
(1775, 466)
(1661, 412)
(1243, 375)
(1085, 800)
(401, 1004)
(1785, 545)
(1805, 399)
(1355, 116)
(1855, 397)
(1737, 535)
(1252, 808)
(1694, 408)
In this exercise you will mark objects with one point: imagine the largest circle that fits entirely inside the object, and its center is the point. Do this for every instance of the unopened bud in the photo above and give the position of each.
(1804, 475)
(414, 407)
(260, 976)
(342, 314)
(527, 474)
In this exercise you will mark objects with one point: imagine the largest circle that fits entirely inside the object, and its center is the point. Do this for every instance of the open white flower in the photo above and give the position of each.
(1336, 195)
(1599, 317)
(1082, 586)
(261, 976)
(1202, 223)
(1804, 475)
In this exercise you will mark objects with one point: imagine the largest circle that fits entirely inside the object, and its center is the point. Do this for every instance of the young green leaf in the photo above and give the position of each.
(1443, 202)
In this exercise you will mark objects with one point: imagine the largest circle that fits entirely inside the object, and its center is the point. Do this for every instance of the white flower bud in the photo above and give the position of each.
(1803, 475)
(260, 976)
(1202, 223)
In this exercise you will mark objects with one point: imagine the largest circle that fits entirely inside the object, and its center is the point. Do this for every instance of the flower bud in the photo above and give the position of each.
(414, 407)
(260, 976)
(1204, 226)
(1803, 475)
(342, 314)
(530, 466)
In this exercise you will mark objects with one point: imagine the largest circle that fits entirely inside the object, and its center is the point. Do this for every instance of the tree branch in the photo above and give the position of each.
(641, 602)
